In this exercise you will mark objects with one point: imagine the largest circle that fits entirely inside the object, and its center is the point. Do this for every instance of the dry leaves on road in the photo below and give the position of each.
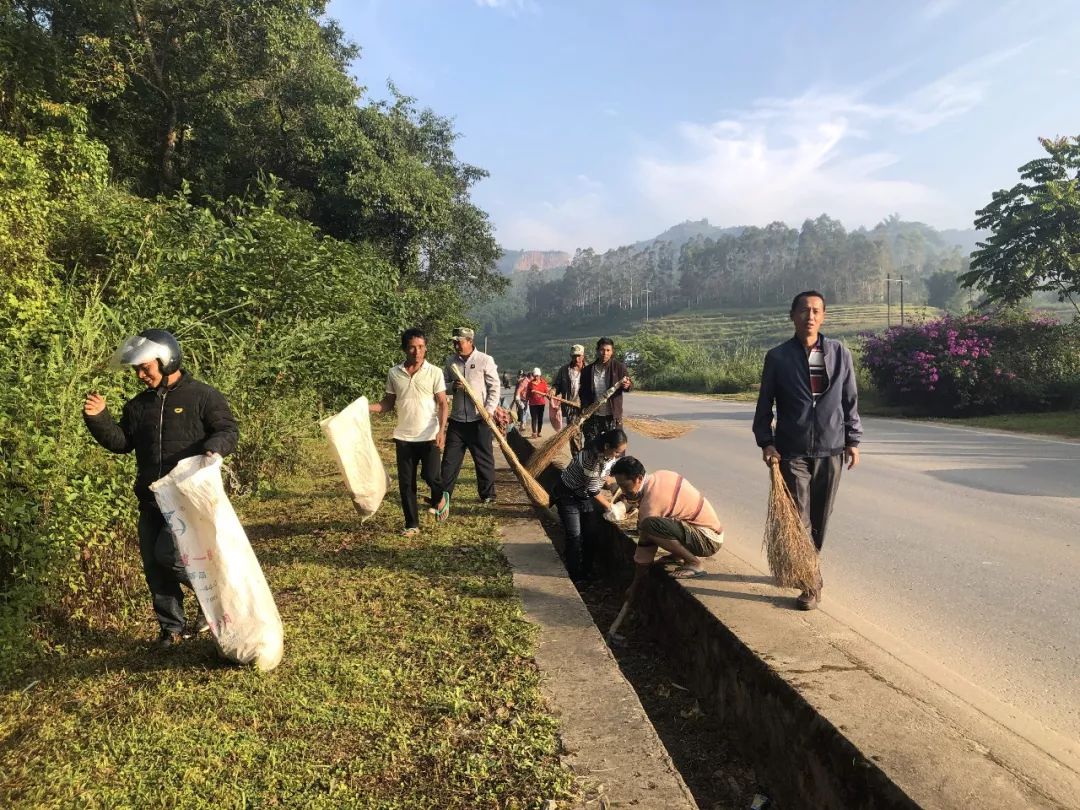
(656, 428)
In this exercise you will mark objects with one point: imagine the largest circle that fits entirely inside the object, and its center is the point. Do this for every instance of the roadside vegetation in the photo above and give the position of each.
(286, 243)
(407, 682)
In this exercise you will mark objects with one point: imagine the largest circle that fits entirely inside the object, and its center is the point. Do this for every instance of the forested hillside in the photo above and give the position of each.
(210, 168)
(699, 265)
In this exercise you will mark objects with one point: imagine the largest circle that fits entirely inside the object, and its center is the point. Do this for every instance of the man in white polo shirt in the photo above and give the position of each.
(418, 391)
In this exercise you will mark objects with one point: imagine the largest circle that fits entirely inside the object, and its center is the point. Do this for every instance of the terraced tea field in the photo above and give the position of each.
(547, 343)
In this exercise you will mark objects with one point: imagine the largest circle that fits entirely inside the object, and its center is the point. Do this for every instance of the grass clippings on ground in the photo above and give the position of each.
(656, 428)
(408, 682)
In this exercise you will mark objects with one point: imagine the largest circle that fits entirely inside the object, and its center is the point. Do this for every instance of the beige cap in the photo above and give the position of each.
(464, 332)
(577, 349)
(536, 371)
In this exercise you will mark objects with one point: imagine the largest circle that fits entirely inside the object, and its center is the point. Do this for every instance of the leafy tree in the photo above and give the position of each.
(1035, 240)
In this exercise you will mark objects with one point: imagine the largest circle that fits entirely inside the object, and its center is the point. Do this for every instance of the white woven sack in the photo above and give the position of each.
(349, 434)
(224, 572)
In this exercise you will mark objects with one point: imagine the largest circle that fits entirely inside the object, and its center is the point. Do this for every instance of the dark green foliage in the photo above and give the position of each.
(1035, 244)
(103, 105)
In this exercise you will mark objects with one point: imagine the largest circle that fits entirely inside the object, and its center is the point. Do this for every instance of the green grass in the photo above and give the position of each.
(408, 682)
(1051, 423)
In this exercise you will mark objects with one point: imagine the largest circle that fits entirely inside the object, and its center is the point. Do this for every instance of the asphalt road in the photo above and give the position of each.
(962, 544)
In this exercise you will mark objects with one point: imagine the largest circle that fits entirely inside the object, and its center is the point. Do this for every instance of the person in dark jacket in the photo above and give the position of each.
(174, 418)
(567, 385)
(811, 380)
(596, 379)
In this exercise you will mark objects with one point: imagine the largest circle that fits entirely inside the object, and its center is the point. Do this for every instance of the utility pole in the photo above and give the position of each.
(889, 281)
(646, 291)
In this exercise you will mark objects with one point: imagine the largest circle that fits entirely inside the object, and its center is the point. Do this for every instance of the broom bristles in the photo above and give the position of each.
(540, 460)
(536, 493)
(793, 560)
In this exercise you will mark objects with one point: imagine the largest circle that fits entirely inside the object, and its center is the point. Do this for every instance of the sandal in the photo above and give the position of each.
(686, 572)
(442, 512)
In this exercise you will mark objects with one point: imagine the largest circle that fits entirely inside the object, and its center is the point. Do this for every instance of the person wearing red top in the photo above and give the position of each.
(536, 392)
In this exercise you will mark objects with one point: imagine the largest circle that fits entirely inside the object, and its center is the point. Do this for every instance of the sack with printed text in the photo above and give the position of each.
(220, 563)
(349, 434)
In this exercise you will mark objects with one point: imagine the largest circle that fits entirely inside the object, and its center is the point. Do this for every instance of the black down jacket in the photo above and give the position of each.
(164, 426)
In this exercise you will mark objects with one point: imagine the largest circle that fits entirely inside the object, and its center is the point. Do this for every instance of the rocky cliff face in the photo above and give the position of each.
(544, 259)
(519, 261)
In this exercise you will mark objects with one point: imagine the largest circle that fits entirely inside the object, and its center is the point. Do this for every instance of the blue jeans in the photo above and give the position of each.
(162, 567)
(581, 523)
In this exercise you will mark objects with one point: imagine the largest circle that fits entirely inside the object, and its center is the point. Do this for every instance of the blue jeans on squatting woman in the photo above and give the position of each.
(581, 520)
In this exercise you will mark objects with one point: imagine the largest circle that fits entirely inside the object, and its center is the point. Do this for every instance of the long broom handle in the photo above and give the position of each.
(508, 451)
(543, 456)
(619, 619)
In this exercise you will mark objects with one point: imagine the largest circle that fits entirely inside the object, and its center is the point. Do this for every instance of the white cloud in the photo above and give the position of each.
(511, 6)
(781, 159)
(582, 217)
(936, 8)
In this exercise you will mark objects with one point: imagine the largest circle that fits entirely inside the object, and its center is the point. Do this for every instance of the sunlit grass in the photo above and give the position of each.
(408, 682)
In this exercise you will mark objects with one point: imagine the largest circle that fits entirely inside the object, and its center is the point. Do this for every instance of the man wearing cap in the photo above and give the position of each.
(567, 385)
(596, 378)
(466, 430)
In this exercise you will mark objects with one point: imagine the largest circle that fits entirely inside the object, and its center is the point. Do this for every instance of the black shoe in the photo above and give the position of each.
(808, 600)
(166, 640)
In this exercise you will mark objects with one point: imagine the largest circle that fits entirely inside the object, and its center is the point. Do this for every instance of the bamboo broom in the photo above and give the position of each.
(545, 454)
(793, 560)
(537, 494)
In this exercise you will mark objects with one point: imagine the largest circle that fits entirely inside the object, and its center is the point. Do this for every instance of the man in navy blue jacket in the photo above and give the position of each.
(811, 380)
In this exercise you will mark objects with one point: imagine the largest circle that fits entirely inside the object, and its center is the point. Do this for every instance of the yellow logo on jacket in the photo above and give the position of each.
(177, 410)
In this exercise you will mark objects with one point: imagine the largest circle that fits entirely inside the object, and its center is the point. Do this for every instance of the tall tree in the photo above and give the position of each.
(1035, 239)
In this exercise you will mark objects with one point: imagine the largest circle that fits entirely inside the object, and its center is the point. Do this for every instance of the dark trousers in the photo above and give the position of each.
(813, 483)
(411, 455)
(581, 525)
(537, 414)
(476, 438)
(597, 424)
(162, 567)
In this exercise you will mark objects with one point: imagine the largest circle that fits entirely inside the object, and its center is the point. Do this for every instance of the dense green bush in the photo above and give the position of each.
(286, 322)
(666, 364)
(977, 364)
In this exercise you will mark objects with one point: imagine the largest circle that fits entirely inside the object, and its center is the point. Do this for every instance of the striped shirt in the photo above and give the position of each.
(819, 378)
(585, 474)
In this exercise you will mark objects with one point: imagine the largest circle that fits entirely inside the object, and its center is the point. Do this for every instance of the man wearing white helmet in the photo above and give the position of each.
(174, 418)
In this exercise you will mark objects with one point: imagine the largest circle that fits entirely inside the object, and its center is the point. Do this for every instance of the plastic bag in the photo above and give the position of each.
(224, 572)
(349, 434)
(555, 416)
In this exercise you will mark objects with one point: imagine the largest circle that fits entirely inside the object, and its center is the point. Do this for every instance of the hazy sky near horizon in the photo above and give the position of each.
(603, 122)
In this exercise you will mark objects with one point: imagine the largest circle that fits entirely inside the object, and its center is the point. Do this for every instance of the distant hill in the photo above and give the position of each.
(519, 261)
(964, 239)
(687, 231)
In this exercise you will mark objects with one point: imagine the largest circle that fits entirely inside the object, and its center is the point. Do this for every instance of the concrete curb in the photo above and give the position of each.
(829, 721)
(608, 739)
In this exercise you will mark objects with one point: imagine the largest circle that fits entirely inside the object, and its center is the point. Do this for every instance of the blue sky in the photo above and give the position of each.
(604, 122)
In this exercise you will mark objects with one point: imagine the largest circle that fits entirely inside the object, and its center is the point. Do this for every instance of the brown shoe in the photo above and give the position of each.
(167, 640)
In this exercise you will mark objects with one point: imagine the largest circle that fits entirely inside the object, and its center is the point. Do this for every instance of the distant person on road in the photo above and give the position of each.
(596, 379)
(672, 515)
(417, 390)
(466, 430)
(536, 392)
(176, 417)
(581, 497)
(811, 380)
(567, 385)
(521, 398)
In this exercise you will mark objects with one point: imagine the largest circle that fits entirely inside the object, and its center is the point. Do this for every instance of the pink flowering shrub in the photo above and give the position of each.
(977, 364)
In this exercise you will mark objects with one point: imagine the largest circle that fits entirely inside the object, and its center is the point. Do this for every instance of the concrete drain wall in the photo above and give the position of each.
(822, 727)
